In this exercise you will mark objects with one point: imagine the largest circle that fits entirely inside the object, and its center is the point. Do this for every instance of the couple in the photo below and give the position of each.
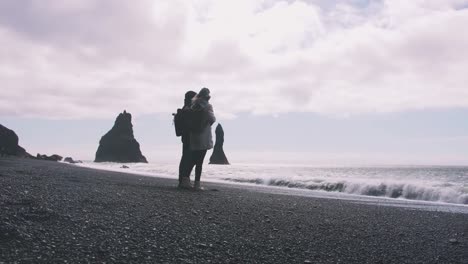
(196, 143)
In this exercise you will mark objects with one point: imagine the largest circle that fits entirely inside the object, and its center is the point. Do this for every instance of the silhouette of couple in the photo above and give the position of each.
(195, 142)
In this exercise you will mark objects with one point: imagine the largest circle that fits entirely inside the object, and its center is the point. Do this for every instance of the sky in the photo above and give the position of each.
(316, 81)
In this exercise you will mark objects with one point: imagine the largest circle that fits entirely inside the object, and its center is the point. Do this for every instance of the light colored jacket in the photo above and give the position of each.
(203, 140)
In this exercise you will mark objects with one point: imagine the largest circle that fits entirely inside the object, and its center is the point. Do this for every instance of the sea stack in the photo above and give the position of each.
(218, 156)
(119, 144)
(9, 144)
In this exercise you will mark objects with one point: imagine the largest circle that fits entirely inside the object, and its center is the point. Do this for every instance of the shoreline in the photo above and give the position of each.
(382, 200)
(52, 212)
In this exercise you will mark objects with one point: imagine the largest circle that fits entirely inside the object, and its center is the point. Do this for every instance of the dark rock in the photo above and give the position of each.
(124, 167)
(218, 156)
(9, 144)
(54, 157)
(71, 160)
(119, 144)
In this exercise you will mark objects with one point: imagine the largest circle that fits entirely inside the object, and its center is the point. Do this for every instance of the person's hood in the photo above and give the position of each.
(199, 103)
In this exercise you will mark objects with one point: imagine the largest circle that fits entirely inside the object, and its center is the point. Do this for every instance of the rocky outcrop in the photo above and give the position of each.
(71, 160)
(9, 144)
(218, 156)
(119, 144)
(53, 157)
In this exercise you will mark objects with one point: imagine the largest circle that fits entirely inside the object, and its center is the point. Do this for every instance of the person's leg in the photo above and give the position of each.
(200, 157)
(181, 163)
(185, 161)
(185, 180)
(185, 166)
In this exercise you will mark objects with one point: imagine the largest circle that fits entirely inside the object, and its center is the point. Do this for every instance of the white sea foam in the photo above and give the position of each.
(437, 184)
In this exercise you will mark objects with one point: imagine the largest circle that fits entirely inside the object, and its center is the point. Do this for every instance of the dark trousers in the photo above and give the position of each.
(186, 160)
(190, 158)
(197, 160)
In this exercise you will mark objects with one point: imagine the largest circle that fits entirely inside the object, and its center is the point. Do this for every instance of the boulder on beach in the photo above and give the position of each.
(218, 156)
(71, 160)
(119, 144)
(53, 157)
(9, 144)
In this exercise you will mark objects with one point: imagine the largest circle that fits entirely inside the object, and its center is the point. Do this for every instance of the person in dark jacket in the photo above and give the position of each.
(185, 161)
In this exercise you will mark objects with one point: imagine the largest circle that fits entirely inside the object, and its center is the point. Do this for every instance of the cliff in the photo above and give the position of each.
(9, 144)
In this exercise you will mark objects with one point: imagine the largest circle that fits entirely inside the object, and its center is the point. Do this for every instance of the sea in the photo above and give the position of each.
(440, 185)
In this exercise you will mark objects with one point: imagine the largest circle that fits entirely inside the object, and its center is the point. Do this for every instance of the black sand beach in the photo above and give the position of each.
(58, 213)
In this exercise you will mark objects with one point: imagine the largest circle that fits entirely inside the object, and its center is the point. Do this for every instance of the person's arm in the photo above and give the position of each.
(210, 117)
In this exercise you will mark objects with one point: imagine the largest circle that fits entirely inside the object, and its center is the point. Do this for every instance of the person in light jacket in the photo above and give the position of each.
(201, 142)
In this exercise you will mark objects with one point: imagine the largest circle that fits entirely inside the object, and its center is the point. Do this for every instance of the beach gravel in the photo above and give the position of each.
(60, 213)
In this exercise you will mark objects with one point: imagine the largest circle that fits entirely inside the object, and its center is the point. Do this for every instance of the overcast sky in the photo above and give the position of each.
(69, 67)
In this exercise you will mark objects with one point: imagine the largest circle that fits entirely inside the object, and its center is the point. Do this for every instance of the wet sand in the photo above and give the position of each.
(59, 213)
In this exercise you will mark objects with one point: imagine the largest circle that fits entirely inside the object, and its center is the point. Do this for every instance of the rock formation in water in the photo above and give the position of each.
(119, 144)
(9, 144)
(218, 156)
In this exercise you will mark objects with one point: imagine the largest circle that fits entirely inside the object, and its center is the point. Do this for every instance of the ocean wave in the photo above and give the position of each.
(444, 193)
(444, 184)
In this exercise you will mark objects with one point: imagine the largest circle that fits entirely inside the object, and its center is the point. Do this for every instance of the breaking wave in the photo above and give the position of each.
(411, 191)
(430, 183)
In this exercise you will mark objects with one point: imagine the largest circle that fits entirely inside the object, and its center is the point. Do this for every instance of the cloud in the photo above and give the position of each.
(85, 59)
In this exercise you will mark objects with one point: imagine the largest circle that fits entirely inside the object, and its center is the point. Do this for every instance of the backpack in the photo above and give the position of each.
(181, 122)
(189, 121)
